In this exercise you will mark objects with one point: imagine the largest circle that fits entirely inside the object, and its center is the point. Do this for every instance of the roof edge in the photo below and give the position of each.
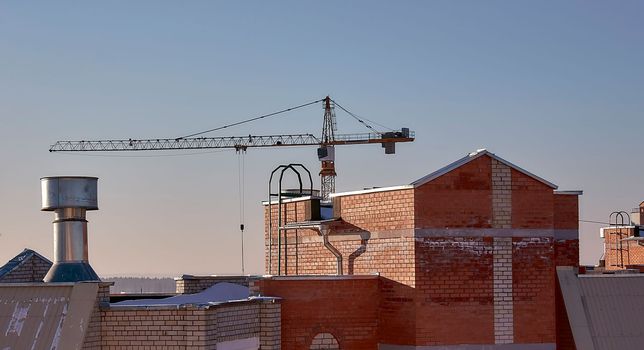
(372, 190)
(291, 200)
(570, 192)
(472, 156)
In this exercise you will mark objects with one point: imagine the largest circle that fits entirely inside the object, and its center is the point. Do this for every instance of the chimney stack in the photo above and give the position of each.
(70, 197)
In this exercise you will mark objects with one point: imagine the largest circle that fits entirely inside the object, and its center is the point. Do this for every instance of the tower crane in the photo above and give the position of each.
(326, 143)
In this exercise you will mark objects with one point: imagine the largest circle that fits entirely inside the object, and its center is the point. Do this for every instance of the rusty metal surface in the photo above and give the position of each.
(45, 316)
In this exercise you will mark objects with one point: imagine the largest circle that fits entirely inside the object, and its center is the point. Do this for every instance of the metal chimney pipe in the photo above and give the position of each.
(70, 197)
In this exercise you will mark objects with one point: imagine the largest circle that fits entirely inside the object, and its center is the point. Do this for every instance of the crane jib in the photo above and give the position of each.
(235, 142)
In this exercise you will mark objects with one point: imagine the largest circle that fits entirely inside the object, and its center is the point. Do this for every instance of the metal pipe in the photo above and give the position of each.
(332, 249)
(70, 197)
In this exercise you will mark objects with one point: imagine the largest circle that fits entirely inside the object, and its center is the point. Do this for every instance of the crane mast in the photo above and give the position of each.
(326, 143)
(326, 152)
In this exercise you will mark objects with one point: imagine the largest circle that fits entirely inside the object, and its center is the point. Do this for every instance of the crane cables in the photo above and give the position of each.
(251, 119)
(360, 120)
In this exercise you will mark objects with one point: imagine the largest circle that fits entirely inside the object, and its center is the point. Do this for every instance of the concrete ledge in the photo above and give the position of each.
(566, 234)
(214, 277)
(542, 346)
(321, 277)
(371, 190)
(559, 234)
(484, 232)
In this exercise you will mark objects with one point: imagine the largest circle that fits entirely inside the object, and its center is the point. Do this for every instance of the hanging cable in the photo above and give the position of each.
(241, 193)
(362, 120)
(250, 120)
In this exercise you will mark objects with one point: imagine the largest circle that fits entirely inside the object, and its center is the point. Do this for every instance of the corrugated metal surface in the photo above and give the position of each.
(614, 307)
(38, 316)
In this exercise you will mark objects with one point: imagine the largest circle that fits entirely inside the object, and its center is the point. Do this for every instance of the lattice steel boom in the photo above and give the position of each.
(325, 143)
(233, 142)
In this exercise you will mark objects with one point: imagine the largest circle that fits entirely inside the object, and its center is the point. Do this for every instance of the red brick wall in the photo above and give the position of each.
(32, 270)
(533, 287)
(397, 313)
(391, 257)
(454, 291)
(187, 327)
(379, 211)
(139, 329)
(633, 253)
(565, 340)
(291, 212)
(566, 211)
(532, 202)
(460, 198)
(346, 308)
(434, 288)
(566, 217)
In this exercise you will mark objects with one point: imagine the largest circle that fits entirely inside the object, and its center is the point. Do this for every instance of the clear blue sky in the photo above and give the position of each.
(555, 87)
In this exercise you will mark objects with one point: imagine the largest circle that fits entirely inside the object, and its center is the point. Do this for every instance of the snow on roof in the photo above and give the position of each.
(43, 316)
(220, 292)
(470, 157)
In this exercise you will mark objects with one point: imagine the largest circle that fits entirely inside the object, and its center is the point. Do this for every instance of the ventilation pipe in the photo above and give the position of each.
(70, 197)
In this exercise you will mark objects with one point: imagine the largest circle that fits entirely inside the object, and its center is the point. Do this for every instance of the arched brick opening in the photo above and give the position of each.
(324, 341)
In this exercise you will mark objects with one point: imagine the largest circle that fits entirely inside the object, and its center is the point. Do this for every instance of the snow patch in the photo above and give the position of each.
(474, 247)
(59, 329)
(17, 319)
(220, 292)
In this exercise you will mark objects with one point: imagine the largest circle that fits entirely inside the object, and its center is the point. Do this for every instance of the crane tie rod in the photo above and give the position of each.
(250, 120)
(360, 120)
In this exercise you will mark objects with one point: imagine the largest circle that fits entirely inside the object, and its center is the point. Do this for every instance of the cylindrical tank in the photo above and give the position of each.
(60, 192)
(70, 197)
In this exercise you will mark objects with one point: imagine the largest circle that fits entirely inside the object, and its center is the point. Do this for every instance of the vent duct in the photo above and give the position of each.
(70, 197)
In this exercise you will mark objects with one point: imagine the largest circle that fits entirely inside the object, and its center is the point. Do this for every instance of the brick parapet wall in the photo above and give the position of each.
(270, 325)
(92, 340)
(189, 284)
(341, 306)
(378, 211)
(189, 326)
(138, 328)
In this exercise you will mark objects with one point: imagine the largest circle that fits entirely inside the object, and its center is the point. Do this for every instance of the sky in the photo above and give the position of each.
(554, 87)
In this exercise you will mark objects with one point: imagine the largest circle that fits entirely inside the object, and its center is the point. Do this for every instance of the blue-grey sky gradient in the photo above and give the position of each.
(555, 87)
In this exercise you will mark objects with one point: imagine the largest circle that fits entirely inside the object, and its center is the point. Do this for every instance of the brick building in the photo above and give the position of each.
(463, 258)
(27, 266)
(623, 241)
(464, 255)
